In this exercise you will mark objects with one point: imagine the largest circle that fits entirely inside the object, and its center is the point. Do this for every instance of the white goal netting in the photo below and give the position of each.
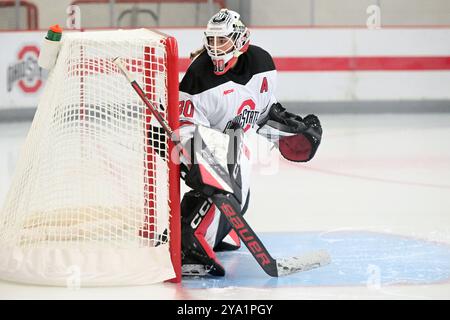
(91, 190)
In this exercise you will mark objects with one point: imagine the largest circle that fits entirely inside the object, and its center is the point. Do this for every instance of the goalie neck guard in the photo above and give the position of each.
(226, 38)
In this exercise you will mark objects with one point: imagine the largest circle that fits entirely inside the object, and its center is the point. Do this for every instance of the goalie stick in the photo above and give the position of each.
(230, 208)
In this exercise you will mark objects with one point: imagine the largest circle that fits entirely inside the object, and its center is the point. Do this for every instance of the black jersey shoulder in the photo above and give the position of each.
(200, 75)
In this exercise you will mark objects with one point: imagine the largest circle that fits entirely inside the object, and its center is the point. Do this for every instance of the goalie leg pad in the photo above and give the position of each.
(198, 258)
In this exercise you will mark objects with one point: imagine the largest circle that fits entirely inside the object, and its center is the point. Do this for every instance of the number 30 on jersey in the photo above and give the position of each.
(186, 108)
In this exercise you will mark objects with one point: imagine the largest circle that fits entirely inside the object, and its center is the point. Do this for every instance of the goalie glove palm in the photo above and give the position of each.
(297, 138)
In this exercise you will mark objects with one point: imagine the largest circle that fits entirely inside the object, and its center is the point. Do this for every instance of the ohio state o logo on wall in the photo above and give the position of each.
(26, 72)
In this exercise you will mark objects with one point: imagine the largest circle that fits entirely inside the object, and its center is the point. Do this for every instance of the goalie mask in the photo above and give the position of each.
(226, 38)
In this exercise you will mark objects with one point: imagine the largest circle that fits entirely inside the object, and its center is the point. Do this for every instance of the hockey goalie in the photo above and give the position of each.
(230, 87)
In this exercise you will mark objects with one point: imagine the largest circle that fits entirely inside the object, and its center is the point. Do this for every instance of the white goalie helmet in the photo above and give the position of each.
(226, 38)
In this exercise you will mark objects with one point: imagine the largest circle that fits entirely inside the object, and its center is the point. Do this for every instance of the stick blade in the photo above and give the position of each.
(305, 262)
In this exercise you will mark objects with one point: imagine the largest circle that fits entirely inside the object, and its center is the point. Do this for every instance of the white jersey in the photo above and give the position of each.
(244, 94)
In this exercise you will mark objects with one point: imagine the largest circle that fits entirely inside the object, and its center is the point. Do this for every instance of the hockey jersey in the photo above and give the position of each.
(244, 94)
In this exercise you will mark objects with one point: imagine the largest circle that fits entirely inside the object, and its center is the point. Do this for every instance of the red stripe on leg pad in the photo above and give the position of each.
(201, 232)
(209, 179)
(233, 235)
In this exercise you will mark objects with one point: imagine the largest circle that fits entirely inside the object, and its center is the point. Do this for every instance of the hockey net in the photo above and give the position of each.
(96, 193)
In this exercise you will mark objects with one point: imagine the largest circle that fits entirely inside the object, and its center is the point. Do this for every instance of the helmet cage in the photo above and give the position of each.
(226, 38)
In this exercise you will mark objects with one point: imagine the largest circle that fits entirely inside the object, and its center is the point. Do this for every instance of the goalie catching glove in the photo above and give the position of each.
(297, 138)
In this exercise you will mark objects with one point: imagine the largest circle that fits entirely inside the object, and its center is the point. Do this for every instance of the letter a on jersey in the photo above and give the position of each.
(264, 85)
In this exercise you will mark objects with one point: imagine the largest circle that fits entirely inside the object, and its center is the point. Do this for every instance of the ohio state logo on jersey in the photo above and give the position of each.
(247, 116)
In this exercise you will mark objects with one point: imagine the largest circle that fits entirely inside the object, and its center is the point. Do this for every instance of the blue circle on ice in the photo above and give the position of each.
(358, 258)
